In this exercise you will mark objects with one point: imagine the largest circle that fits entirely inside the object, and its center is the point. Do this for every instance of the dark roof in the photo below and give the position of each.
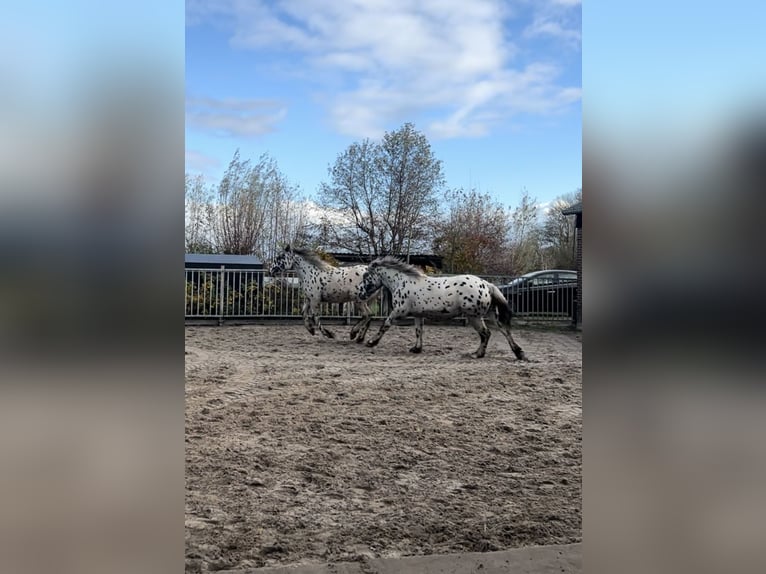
(573, 209)
(220, 259)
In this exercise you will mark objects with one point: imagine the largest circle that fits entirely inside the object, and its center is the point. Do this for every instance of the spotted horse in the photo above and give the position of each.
(323, 283)
(415, 294)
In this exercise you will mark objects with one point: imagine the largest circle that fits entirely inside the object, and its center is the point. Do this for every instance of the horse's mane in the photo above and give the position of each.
(390, 262)
(313, 258)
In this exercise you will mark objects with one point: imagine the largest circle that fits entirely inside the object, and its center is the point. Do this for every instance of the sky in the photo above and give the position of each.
(494, 85)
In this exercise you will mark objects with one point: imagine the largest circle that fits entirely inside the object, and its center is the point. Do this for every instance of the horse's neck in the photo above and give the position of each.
(391, 278)
(302, 267)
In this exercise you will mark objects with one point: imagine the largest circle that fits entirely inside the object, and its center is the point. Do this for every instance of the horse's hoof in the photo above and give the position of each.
(371, 343)
(329, 334)
(360, 340)
(416, 349)
(477, 355)
(352, 335)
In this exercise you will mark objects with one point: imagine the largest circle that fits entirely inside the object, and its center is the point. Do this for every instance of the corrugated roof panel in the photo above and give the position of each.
(220, 259)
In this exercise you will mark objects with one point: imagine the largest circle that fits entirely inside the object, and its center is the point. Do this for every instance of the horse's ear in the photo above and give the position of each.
(288, 249)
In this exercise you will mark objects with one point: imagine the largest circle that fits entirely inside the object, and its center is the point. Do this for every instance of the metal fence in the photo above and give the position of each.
(220, 293)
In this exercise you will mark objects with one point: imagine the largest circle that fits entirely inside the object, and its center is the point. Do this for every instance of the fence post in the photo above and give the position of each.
(221, 295)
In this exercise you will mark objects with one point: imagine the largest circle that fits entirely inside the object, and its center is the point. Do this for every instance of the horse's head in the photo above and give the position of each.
(283, 262)
(371, 282)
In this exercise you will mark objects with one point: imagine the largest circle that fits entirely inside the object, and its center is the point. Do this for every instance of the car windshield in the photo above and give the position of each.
(544, 278)
(522, 278)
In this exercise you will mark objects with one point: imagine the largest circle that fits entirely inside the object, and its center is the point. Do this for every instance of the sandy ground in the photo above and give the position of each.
(302, 449)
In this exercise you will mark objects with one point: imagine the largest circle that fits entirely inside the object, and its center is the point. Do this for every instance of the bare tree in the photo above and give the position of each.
(198, 215)
(472, 235)
(410, 177)
(355, 194)
(256, 208)
(524, 237)
(558, 233)
(240, 208)
(286, 213)
(386, 193)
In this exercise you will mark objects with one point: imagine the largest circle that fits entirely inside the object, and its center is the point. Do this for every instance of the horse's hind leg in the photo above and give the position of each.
(308, 317)
(484, 333)
(506, 329)
(418, 348)
(355, 329)
(354, 333)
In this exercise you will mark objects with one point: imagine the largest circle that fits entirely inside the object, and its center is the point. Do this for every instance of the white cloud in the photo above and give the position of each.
(234, 117)
(316, 214)
(549, 27)
(557, 20)
(532, 90)
(449, 60)
(198, 162)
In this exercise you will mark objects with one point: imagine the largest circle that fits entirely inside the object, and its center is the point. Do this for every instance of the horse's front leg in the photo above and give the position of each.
(383, 328)
(359, 331)
(318, 322)
(418, 348)
(325, 331)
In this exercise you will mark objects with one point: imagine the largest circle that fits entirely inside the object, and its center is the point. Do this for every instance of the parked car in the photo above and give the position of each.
(550, 291)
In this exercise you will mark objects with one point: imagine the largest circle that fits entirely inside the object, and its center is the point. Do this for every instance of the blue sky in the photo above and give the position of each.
(671, 64)
(494, 85)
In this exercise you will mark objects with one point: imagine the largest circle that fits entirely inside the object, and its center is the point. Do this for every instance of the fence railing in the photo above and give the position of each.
(220, 293)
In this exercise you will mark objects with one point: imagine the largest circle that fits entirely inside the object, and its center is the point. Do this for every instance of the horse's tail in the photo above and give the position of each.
(499, 303)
